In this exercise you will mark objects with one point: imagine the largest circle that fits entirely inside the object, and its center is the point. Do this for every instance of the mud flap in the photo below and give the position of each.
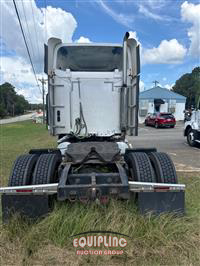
(30, 206)
(161, 202)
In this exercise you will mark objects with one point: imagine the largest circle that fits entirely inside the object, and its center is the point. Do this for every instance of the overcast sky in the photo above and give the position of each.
(167, 30)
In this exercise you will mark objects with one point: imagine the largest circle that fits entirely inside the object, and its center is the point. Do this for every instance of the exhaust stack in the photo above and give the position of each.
(126, 36)
(123, 96)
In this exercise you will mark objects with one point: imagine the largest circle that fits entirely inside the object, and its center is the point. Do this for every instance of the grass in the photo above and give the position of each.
(19, 138)
(163, 240)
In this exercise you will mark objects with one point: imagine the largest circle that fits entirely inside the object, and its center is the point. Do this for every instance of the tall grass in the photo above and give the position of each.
(155, 240)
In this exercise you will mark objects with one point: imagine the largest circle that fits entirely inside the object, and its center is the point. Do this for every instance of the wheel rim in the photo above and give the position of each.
(191, 137)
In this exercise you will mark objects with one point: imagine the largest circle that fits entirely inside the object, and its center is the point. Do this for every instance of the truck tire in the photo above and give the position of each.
(191, 138)
(164, 168)
(140, 167)
(22, 170)
(46, 169)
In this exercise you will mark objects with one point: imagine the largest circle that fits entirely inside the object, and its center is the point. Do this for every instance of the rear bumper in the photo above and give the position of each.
(92, 186)
(166, 124)
(35, 201)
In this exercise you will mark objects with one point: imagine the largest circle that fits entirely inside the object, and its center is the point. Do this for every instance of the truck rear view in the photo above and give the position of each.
(93, 92)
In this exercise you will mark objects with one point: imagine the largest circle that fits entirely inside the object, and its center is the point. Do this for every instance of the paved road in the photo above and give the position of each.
(16, 119)
(169, 140)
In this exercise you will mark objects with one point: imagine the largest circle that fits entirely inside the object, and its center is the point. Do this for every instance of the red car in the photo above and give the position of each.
(160, 120)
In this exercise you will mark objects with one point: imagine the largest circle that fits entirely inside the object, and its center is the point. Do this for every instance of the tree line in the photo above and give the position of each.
(188, 85)
(12, 104)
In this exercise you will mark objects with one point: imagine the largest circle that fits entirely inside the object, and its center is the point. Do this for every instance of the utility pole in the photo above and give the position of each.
(43, 81)
(155, 82)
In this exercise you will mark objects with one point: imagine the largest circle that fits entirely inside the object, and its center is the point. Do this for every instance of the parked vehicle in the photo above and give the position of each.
(160, 120)
(93, 161)
(192, 129)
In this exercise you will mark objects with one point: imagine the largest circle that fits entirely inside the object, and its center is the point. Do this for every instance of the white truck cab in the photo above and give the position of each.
(93, 88)
(192, 129)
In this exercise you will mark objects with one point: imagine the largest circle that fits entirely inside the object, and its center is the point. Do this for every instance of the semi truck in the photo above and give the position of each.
(92, 106)
(192, 128)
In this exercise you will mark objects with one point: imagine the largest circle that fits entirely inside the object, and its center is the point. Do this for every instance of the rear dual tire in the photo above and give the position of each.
(140, 167)
(31, 169)
(22, 170)
(154, 167)
(46, 169)
(163, 167)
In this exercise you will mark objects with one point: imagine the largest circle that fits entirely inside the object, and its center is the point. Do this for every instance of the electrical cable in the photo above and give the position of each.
(29, 35)
(81, 120)
(35, 30)
(24, 37)
(45, 20)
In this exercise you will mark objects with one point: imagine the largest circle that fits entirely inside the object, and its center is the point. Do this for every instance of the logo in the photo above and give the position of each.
(100, 244)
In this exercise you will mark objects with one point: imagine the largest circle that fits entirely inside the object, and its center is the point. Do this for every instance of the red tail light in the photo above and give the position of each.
(161, 189)
(24, 190)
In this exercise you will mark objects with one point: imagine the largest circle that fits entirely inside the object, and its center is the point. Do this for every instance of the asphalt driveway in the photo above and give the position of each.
(172, 141)
(17, 119)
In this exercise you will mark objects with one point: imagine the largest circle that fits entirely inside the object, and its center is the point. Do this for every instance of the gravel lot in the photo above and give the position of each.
(172, 141)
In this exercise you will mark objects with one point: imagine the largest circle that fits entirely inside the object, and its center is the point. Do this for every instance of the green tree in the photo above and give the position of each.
(189, 86)
(2, 111)
(11, 103)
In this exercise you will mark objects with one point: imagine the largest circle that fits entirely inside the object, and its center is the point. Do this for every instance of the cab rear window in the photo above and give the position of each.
(89, 58)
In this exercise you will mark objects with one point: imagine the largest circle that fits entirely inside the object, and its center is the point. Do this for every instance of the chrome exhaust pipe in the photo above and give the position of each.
(124, 95)
(126, 36)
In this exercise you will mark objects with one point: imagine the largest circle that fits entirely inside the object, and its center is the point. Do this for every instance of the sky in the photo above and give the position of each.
(168, 32)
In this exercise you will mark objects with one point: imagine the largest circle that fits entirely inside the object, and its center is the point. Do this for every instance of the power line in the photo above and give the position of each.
(35, 30)
(26, 45)
(45, 20)
(45, 23)
(27, 28)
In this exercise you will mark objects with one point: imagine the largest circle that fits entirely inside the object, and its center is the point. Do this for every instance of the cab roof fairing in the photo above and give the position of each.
(55, 43)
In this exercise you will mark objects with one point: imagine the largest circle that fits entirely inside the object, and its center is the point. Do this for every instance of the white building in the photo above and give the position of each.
(160, 99)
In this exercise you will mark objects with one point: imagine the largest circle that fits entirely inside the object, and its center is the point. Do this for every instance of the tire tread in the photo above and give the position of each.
(45, 168)
(164, 167)
(141, 165)
(22, 170)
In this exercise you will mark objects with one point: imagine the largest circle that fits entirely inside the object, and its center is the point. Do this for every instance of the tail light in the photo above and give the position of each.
(161, 189)
(23, 190)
